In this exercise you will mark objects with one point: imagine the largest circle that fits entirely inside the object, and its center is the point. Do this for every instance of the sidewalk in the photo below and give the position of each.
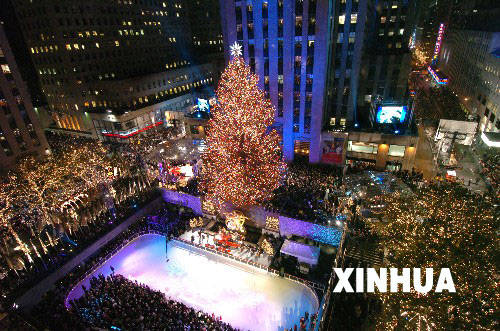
(33, 295)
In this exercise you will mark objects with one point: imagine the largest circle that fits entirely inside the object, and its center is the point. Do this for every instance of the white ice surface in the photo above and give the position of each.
(247, 298)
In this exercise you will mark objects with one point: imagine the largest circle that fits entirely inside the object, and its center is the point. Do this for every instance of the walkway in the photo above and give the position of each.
(424, 159)
(33, 295)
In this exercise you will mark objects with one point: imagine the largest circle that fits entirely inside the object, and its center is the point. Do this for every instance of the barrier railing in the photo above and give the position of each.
(105, 259)
(98, 263)
(339, 257)
(306, 282)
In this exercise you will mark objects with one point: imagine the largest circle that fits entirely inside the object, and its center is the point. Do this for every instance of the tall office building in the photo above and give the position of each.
(205, 24)
(320, 60)
(20, 130)
(386, 56)
(111, 68)
(286, 44)
(471, 61)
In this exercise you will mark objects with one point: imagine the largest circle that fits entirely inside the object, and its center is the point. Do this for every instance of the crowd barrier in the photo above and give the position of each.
(310, 284)
(108, 256)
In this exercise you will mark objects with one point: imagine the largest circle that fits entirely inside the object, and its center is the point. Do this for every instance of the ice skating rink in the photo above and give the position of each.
(245, 297)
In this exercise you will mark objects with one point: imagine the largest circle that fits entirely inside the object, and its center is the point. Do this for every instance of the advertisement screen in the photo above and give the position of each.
(391, 114)
(333, 151)
(203, 105)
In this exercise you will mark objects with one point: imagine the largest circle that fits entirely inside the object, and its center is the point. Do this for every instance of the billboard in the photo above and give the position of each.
(203, 105)
(391, 114)
(333, 151)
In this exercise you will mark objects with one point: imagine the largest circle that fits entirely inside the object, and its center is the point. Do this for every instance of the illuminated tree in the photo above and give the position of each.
(242, 164)
(443, 226)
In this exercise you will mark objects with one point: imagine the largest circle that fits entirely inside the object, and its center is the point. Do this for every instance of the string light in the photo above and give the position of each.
(242, 163)
(272, 224)
(442, 226)
(267, 247)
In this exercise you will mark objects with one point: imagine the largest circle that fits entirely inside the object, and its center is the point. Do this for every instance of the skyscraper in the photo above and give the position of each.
(322, 62)
(286, 44)
(20, 130)
(110, 68)
(470, 58)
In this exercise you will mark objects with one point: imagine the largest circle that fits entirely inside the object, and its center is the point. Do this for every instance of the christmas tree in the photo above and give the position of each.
(242, 164)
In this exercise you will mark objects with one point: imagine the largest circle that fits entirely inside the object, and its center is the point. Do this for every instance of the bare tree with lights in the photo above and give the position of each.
(243, 162)
(443, 226)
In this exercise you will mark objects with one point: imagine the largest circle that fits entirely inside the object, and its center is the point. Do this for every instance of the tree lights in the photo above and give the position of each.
(443, 226)
(242, 164)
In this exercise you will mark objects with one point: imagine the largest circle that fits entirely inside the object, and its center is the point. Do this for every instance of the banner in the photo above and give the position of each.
(333, 151)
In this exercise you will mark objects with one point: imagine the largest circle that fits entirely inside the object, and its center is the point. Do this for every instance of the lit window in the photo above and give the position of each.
(117, 43)
(68, 46)
(97, 45)
(5, 68)
(390, 33)
(341, 19)
(398, 44)
(354, 18)
(401, 31)
(382, 19)
(396, 150)
(75, 46)
(393, 18)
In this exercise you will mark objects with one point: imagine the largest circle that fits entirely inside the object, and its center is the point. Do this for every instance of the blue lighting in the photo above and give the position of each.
(396, 131)
(386, 114)
(356, 125)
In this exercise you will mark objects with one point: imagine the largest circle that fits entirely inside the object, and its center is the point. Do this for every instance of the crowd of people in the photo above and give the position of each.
(127, 305)
(51, 312)
(307, 191)
(15, 282)
(490, 164)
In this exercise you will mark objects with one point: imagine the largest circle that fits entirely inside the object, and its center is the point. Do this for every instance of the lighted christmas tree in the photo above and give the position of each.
(242, 164)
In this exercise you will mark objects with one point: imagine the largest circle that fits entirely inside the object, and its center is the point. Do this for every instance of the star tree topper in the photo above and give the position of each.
(235, 49)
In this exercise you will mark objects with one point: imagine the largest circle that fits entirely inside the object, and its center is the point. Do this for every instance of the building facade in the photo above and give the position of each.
(103, 58)
(471, 60)
(322, 62)
(20, 130)
(286, 44)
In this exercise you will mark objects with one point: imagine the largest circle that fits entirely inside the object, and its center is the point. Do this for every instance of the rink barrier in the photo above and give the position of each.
(105, 259)
(134, 236)
(308, 283)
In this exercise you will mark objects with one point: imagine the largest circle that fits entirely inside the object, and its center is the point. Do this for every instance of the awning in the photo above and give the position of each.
(304, 253)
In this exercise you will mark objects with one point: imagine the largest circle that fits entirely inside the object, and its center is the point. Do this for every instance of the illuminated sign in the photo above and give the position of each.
(390, 114)
(489, 142)
(435, 76)
(203, 105)
(439, 40)
(133, 133)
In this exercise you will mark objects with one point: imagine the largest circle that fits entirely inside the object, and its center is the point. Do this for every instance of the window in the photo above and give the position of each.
(382, 19)
(362, 147)
(397, 150)
(354, 18)
(5, 68)
(342, 19)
